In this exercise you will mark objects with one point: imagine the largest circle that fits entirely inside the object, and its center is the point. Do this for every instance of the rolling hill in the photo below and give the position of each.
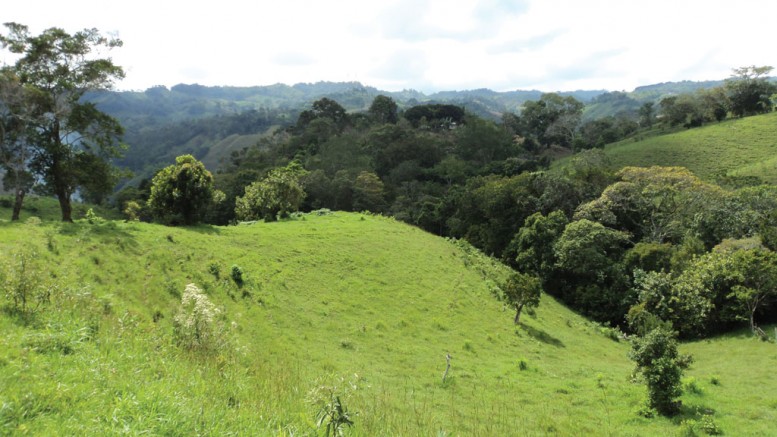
(358, 306)
(738, 147)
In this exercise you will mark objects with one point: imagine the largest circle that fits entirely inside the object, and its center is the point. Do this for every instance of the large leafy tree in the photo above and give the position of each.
(15, 150)
(383, 110)
(590, 274)
(71, 137)
(181, 192)
(278, 194)
(750, 90)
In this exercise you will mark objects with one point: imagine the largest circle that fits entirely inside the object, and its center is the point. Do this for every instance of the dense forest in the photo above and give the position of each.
(632, 248)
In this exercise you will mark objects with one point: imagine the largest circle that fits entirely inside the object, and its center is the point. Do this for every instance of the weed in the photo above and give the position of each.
(346, 344)
(24, 283)
(236, 273)
(92, 218)
(691, 386)
(332, 414)
(215, 270)
(195, 325)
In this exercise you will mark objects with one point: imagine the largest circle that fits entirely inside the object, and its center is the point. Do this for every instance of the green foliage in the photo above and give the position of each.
(657, 204)
(236, 273)
(92, 218)
(181, 193)
(383, 110)
(521, 291)
(591, 276)
(368, 193)
(277, 195)
(750, 90)
(533, 244)
(59, 69)
(25, 287)
(332, 414)
(132, 210)
(215, 270)
(657, 359)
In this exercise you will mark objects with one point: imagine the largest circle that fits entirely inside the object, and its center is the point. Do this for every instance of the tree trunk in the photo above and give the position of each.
(64, 205)
(752, 321)
(17, 204)
(518, 313)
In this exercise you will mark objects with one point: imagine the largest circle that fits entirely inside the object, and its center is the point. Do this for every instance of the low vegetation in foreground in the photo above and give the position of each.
(337, 320)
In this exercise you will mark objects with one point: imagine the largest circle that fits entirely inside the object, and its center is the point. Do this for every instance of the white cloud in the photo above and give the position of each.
(422, 44)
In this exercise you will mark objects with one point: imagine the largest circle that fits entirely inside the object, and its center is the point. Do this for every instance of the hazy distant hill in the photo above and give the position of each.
(162, 122)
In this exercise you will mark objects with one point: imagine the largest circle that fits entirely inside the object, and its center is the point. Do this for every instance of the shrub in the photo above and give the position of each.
(92, 218)
(133, 211)
(237, 275)
(215, 270)
(331, 411)
(195, 325)
(657, 358)
(24, 286)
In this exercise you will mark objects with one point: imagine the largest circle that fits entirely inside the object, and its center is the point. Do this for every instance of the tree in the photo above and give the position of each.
(662, 367)
(754, 272)
(552, 119)
(277, 195)
(15, 150)
(521, 291)
(60, 68)
(368, 193)
(750, 90)
(324, 108)
(657, 204)
(590, 274)
(646, 114)
(533, 244)
(181, 192)
(383, 110)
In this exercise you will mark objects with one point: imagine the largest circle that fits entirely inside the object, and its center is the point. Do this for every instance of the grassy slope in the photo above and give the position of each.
(375, 302)
(743, 147)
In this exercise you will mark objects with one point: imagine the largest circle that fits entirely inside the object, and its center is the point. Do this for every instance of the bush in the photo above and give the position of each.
(195, 326)
(215, 270)
(237, 275)
(92, 218)
(23, 283)
(659, 362)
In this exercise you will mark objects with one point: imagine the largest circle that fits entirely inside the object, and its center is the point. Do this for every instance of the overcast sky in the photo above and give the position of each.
(427, 45)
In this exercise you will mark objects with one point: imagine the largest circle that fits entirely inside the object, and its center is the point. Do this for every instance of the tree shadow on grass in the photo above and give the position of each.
(692, 412)
(541, 335)
(205, 229)
(105, 232)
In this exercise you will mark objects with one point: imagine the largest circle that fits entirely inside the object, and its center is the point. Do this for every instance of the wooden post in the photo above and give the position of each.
(448, 367)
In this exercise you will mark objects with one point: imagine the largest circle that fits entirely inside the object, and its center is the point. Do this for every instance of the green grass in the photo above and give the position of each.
(363, 303)
(47, 209)
(739, 147)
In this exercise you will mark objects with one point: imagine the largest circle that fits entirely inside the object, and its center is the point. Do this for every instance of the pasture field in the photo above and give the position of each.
(346, 306)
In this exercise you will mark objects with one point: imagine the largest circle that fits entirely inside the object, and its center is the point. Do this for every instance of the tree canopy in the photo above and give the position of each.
(66, 132)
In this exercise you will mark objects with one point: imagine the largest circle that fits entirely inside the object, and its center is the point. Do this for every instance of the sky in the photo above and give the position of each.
(425, 45)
